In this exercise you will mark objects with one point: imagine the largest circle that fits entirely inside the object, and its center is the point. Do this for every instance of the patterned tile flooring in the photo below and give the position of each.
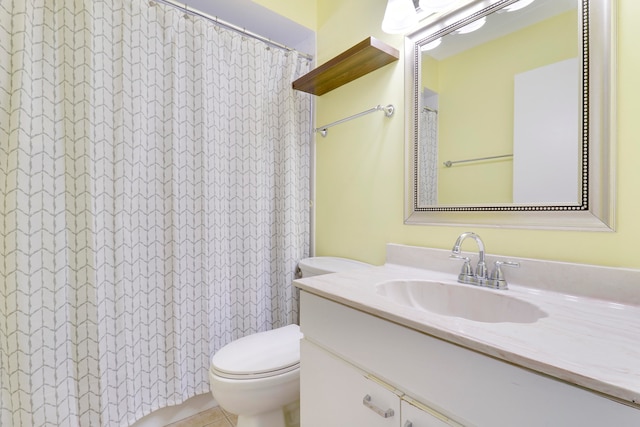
(214, 417)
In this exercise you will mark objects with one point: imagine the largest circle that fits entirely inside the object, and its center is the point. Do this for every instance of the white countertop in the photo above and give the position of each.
(590, 342)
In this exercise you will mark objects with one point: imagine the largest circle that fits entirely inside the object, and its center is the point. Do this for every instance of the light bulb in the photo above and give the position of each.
(431, 45)
(400, 16)
(517, 5)
(435, 5)
(475, 25)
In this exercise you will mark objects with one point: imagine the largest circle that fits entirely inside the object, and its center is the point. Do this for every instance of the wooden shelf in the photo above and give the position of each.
(363, 58)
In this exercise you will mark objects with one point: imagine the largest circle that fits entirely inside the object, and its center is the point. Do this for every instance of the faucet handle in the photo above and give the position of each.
(496, 277)
(467, 270)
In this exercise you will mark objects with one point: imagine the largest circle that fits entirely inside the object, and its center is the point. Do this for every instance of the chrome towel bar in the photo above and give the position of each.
(388, 112)
(449, 163)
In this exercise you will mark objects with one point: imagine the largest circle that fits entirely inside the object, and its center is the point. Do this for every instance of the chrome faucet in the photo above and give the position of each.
(494, 280)
(467, 275)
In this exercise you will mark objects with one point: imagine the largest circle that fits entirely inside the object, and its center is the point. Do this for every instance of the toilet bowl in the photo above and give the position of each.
(256, 376)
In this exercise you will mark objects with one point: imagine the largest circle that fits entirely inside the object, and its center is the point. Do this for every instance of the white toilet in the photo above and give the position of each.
(256, 376)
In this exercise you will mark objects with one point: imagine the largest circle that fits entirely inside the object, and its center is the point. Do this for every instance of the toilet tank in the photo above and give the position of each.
(315, 266)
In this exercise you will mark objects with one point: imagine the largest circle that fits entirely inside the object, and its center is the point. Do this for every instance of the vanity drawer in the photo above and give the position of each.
(414, 414)
(335, 393)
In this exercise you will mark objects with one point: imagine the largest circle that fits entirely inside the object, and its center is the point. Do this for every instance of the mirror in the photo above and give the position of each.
(510, 116)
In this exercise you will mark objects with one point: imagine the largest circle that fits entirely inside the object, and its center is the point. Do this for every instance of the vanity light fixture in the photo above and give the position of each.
(475, 25)
(517, 6)
(399, 17)
(432, 6)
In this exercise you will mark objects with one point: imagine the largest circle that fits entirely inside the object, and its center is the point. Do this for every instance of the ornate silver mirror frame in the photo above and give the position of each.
(596, 209)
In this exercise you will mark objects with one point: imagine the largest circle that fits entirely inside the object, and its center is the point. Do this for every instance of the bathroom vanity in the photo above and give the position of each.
(377, 353)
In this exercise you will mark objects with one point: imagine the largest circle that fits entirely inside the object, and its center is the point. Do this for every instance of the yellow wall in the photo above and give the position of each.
(360, 165)
(477, 90)
(301, 11)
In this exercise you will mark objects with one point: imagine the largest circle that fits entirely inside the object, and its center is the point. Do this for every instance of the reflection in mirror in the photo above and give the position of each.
(514, 84)
(504, 118)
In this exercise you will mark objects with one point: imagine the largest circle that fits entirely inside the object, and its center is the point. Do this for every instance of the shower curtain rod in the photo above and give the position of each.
(388, 112)
(228, 25)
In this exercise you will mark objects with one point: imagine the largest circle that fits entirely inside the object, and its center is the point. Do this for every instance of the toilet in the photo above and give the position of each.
(257, 376)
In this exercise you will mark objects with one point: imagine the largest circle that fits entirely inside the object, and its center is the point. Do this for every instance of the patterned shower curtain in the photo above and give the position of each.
(154, 180)
(428, 158)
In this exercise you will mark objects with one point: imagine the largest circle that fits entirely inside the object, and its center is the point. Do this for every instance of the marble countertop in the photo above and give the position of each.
(590, 342)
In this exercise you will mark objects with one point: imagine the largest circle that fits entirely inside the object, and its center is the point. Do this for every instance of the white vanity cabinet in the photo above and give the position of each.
(344, 348)
(337, 393)
(416, 414)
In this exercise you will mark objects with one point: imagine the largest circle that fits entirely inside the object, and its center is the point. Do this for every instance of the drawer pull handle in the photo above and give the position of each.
(366, 401)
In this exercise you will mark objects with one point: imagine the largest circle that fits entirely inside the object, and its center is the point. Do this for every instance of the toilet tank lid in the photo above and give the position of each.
(260, 353)
(327, 264)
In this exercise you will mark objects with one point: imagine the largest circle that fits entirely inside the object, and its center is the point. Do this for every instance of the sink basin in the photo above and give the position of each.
(466, 301)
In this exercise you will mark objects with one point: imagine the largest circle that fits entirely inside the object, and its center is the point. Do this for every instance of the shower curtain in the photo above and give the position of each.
(428, 158)
(154, 179)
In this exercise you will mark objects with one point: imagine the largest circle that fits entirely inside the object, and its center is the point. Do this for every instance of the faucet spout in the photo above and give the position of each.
(456, 247)
(481, 269)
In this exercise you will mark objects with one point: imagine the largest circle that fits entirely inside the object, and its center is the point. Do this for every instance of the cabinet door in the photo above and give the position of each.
(417, 415)
(335, 393)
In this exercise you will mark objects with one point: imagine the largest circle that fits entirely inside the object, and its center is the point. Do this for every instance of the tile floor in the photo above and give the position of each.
(214, 417)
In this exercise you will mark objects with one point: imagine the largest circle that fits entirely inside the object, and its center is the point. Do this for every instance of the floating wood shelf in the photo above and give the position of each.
(363, 58)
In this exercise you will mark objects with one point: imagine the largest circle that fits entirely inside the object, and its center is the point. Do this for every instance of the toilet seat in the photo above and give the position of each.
(260, 355)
